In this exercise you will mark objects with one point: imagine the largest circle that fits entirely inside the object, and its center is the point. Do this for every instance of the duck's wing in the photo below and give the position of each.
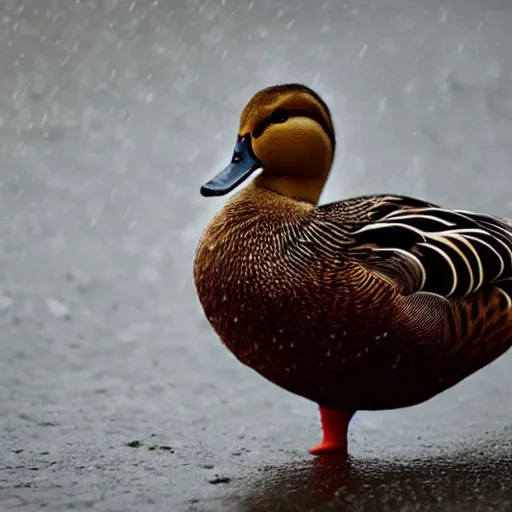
(419, 246)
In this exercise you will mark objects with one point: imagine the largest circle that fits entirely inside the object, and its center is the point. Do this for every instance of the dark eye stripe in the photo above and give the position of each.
(265, 123)
(261, 127)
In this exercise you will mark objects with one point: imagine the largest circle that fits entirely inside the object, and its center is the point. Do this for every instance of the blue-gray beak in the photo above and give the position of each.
(242, 165)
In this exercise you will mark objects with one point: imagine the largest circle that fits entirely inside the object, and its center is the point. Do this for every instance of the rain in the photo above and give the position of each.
(115, 393)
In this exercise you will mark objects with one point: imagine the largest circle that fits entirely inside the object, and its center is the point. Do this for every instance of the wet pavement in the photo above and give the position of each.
(115, 395)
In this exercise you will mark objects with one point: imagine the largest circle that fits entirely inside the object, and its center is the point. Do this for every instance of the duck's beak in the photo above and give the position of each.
(242, 165)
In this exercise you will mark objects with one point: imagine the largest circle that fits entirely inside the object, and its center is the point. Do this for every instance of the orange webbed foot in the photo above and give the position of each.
(329, 447)
(335, 428)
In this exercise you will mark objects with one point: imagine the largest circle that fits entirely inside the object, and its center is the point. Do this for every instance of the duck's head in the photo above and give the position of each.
(287, 131)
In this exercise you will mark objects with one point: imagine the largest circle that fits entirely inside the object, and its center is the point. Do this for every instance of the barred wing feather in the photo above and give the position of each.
(452, 253)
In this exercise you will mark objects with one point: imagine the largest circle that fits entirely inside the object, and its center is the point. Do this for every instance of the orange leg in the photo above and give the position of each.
(335, 427)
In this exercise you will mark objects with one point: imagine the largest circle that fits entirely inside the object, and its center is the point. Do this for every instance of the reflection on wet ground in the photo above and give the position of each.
(472, 478)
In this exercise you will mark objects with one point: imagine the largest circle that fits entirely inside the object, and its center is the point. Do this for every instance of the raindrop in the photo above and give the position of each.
(57, 308)
(5, 303)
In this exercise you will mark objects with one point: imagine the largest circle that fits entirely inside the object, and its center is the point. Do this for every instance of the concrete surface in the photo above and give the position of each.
(112, 113)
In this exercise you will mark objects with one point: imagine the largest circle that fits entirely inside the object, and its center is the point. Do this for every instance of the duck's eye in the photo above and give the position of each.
(279, 116)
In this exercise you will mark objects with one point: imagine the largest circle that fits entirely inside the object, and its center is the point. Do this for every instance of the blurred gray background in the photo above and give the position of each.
(112, 113)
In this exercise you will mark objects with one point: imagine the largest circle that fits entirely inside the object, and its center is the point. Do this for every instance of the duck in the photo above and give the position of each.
(369, 303)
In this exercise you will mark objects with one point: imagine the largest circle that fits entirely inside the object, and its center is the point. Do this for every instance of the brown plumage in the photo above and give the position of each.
(369, 303)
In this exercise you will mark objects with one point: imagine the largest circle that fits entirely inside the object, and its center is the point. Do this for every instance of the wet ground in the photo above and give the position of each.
(115, 395)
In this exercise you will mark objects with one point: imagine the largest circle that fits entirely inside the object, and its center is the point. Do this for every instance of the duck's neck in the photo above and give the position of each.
(301, 189)
(256, 205)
